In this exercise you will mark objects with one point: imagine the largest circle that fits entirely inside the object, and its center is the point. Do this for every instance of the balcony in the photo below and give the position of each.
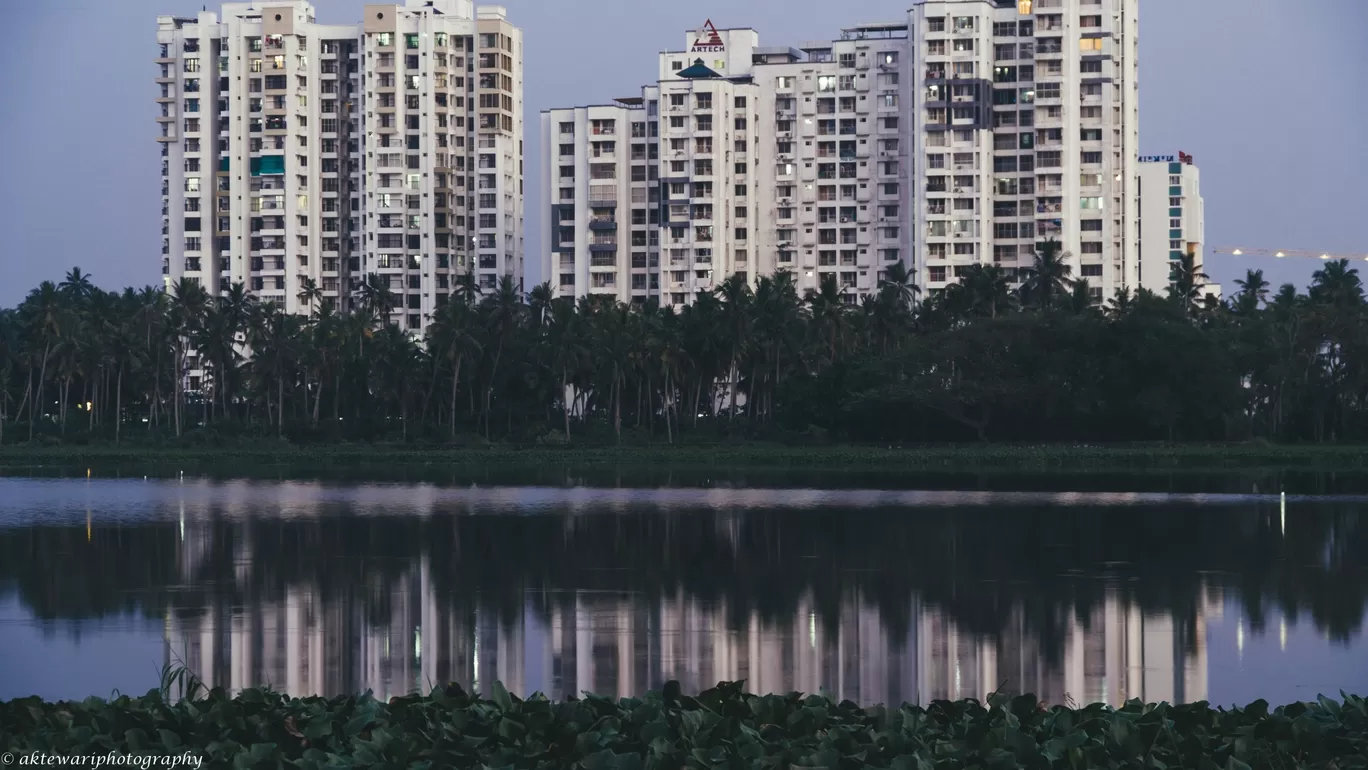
(603, 247)
(603, 223)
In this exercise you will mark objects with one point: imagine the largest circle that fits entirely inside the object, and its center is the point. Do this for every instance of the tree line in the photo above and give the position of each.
(981, 360)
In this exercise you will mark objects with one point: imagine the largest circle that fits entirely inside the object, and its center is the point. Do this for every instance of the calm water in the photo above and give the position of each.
(878, 596)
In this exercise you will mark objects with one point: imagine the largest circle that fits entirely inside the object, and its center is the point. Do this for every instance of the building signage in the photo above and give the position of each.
(1181, 158)
(707, 40)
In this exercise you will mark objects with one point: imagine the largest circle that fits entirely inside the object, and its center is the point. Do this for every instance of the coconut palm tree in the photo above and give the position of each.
(374, 295)
(502, 311)
(1047, 279)
(1253, 291)
(829, 312)
(568, 343)
(453, 338)
(737, 318)
(274, 338)
(48, 317)
(1186, 283)
(1337, 284)
(309, 294)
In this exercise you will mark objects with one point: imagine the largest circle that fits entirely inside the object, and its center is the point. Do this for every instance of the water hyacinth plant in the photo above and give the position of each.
(721, 728)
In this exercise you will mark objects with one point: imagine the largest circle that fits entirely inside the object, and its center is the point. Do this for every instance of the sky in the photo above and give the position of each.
(1267, 96)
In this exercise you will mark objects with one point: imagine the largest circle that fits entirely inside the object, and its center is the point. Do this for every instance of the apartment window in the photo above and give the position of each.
(1089, 44)
(1091, 247)
(1092, 271)
(935, 24)
(1090, 66)
(936, 273)
(826, 82)
(1090, 204)
(1091, 157)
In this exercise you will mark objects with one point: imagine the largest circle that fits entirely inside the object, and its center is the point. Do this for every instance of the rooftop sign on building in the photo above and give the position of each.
(1183, 158)
(707, 40)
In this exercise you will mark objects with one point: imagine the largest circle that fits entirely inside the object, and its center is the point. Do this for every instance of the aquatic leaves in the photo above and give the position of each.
(721, 729)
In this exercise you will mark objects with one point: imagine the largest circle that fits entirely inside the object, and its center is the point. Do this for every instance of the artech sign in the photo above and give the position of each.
(708, 41)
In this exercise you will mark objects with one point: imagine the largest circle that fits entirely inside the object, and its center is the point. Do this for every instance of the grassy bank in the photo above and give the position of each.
(1055, 457)
(721, 728)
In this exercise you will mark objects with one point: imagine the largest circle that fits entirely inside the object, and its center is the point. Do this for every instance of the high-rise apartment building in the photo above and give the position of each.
(1172, 219)
(294, 150)
(737, 160)
(1026, 128)
(965, 135)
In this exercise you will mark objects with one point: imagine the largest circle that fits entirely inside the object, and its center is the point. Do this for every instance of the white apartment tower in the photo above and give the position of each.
(1172, 219)
(294, 150)
(966, 135)
(737, 160)
(1026, 128)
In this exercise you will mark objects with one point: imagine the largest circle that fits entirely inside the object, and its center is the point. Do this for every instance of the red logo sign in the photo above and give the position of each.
(708, 39)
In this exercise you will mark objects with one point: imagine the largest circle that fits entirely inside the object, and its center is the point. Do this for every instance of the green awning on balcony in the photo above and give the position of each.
(268, 164)
(1176, 233)
(1176, 211)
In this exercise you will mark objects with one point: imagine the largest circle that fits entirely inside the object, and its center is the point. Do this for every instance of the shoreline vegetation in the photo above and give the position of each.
(986, 360)
(720, 728)
(741, 455)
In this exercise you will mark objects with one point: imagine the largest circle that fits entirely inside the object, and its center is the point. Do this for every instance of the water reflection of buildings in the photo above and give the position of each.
(394, 640)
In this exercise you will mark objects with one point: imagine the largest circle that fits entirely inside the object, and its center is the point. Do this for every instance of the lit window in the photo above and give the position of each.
(1090, 44)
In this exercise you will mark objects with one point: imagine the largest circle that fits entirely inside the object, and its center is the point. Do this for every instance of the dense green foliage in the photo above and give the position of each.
(721, 728)
(976, 361)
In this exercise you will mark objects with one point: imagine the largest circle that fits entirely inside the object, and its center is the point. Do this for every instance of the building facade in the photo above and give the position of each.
(963, 136)
(738, 160)
(1026, 124)
(1172, 219)
(297, 152)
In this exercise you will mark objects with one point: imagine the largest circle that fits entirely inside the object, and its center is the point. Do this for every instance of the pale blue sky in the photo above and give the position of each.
(1267, 95)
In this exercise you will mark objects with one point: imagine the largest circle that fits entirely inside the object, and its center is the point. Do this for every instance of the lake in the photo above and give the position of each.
(330, 586)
